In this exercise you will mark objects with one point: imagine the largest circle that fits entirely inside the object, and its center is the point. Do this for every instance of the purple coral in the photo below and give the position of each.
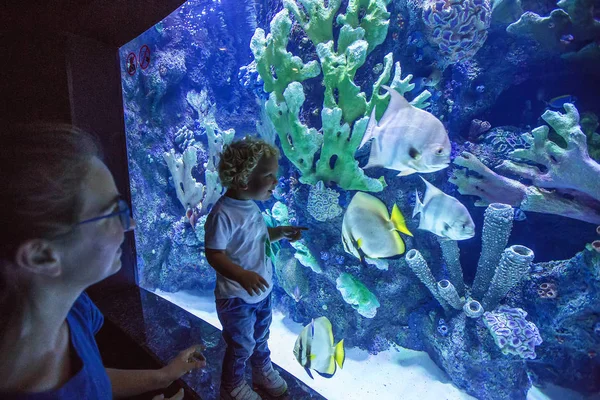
(457, 27)
(512, 333)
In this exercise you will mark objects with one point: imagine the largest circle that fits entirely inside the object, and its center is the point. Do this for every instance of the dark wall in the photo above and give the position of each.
(94, 80)
(61, 64)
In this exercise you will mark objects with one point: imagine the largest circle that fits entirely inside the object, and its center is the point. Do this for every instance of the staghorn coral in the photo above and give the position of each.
(512, 333)
(458, 27)
(564, 176)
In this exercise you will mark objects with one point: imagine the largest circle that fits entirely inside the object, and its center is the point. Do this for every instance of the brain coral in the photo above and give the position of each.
(512, 332)
(457, 27)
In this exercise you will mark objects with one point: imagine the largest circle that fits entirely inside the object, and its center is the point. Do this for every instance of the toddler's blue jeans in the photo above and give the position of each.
(245, 331)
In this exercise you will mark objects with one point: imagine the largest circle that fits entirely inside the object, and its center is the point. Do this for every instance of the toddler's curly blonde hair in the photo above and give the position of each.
(239, 159)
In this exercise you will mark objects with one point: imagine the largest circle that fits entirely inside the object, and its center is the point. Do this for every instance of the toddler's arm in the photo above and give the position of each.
(252, 282)
(291, 233)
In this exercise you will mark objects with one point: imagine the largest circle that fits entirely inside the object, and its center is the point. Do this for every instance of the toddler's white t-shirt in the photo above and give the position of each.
(238, 227)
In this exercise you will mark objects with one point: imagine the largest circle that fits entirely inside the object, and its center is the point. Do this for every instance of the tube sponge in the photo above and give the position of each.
(417, 263)
(447, 290)
(514, 263)
(473, 309)
(497, 225)
(451, 254)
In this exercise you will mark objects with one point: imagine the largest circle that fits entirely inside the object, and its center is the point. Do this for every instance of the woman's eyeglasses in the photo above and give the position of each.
(124, 213)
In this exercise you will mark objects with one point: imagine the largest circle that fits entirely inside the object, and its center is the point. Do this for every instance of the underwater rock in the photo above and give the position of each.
(468, 355)
(569, 356)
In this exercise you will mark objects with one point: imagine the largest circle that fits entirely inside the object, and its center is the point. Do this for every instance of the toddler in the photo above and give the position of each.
(236, 244)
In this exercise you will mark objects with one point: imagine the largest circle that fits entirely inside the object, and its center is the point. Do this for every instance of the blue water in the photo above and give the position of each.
(491, 83)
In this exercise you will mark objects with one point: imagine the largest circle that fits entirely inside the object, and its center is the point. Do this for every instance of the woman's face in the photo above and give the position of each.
(93, 251)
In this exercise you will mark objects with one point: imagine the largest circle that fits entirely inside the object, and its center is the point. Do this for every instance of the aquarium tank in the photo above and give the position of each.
(444, 154)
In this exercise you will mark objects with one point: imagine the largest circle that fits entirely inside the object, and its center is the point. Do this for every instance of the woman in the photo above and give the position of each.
(62, 224)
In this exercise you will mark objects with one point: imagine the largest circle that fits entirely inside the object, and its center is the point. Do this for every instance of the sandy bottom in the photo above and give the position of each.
(397, 373)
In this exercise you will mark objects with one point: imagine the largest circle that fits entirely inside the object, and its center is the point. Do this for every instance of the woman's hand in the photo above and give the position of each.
(292, 233)
(186, 361)
(252, 282)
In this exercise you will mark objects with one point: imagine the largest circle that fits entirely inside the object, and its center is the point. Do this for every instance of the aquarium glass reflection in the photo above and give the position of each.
(444, 155)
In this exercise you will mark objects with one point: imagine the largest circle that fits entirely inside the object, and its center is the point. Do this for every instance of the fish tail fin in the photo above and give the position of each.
(308, 372)
(399, 222)
(418, 205)
(339, 353)
(370, 129)
(331, 367)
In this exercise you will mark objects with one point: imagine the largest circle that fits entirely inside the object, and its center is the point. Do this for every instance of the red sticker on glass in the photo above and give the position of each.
(130, 65)
(144, 56)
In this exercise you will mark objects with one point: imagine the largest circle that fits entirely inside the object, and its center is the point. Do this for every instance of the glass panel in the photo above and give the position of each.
(444, 156)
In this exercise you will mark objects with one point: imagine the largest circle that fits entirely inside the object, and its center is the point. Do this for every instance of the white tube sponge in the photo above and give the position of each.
(473, 309)
(417, 263)
(451, 254)
(497, 225)
(514, 264)
(447, 290)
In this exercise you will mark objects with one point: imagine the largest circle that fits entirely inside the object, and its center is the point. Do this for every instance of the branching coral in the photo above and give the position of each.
(564, 177)
(328, 155)
(193, 194)
(574, 17)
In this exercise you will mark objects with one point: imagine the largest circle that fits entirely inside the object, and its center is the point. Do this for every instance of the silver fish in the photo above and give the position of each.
(443, 215)
(407, 139)
(314, 348)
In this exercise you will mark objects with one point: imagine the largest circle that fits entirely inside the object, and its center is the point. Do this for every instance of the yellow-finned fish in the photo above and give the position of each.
(367, 225)
(314, 348)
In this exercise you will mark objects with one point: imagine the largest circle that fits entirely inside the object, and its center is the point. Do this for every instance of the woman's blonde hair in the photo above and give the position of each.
(239, 159)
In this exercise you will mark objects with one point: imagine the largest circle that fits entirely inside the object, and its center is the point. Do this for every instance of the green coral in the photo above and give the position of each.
(345, 107)
(305, 257)
(357, 295)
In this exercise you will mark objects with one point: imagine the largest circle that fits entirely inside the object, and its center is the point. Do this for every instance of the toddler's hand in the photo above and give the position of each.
(292, 233)
(253, 282)
(186, 361)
